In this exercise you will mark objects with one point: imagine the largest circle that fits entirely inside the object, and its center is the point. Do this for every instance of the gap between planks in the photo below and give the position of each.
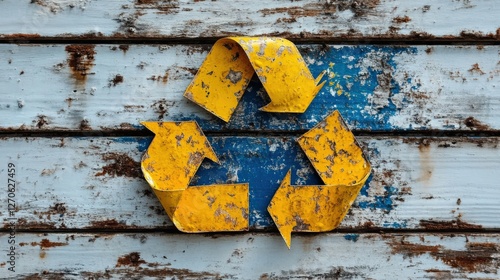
(379, 40)
(267, 232)
(250, 133)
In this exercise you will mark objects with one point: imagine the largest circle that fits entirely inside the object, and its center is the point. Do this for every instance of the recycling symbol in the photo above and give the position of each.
(178, 148)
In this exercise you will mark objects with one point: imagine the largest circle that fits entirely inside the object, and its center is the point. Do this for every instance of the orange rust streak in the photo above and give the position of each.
(80, 60)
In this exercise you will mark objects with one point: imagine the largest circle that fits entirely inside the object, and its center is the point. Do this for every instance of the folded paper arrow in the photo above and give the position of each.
(170, 163)
(224, 75)
(341, 164)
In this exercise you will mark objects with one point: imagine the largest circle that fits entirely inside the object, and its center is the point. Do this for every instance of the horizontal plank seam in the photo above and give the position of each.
(399, 40)
(263, 231)
(245, 133)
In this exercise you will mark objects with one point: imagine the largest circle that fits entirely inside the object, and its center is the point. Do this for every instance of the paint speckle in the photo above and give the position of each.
(234, 76)
(351, 237)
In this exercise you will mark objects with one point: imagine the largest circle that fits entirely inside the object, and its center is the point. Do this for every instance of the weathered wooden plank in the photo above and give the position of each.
(253, 256)
(201, 19)
(96, 182)
(382, 88)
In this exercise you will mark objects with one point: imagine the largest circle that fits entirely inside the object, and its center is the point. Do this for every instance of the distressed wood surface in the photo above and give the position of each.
(83, 210)
(376, 88)
(96, 183)
(323, 19)
(256, 256)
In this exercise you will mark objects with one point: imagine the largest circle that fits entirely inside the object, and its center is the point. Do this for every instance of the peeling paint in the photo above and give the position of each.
(81, 60)
(122, 165)
(474, 258)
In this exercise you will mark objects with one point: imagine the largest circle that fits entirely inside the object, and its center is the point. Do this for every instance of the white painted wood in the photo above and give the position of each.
(254, 256)
(62, 183)
(199, 19)
(439, 88)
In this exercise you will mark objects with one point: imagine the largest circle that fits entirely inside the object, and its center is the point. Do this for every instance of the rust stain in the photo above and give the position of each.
(85, 125)
(328, 8)
(477, 257)
(413, 250)
(21, 35)
(197, 49)
(444, 142)
(81, 60)
(308, 10)
(404, 19)
(160, 78)
(159, 273)
(108, 224)
(122, 166)
(42, 254)
(359, 8)
(23, 223)
(58, 208)
(368, 225)
(474, 124)
(127, 126)
(426, 166)
(124, 48)
(161, 107)
(447, 225)
(476, 35)
(475, 69)
(46, 275)
(132, 259)
(116, 80)
(42, 121)
(193, 71)
(165, 7)
(440, 274)
(147, 2)
(45, 243)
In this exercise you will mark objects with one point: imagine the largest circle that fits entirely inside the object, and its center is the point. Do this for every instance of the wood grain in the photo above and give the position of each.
(394, 69)
(256, 256)
(74, 183)
(326, 19)
(376, 88)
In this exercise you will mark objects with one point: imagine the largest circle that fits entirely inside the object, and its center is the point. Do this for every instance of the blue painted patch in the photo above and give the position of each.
(395, 225)
(379, 202)
(356, 71)
(364, 189)
(351, 237)
(142, 142)
(261, 162)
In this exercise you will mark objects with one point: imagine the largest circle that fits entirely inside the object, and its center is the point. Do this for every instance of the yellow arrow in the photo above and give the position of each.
(169, 164)
(224, 75)
(341, 164)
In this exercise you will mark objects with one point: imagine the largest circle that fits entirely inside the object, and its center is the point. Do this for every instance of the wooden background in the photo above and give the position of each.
(418, 82)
